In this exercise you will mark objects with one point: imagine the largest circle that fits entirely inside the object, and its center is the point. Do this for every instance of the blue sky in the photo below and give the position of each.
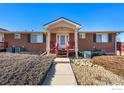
(20, 17)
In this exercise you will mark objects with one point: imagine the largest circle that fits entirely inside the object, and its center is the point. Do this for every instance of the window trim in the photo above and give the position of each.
(17, 34)
(102, 38)
(81, 36)
(37, 37)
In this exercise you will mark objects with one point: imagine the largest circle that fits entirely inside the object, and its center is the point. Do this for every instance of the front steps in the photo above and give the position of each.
(61, 60)
(62, 53)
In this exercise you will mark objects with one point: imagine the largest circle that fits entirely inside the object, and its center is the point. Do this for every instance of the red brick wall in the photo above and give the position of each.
(53, 37)
(83, 44)
(87, 43)
(71, 37)
(24, 42)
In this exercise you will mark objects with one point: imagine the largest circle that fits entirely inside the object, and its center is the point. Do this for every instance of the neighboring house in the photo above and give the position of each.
(61, 33)
(3, 44)
(2, 32)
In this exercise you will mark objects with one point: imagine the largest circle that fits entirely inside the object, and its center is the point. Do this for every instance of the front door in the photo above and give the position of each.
(62, 40)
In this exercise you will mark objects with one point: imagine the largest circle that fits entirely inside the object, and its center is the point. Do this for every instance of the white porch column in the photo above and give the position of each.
(48, 43)
(76, 42)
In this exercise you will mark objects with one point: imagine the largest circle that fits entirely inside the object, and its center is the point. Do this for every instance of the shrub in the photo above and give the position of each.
(21, 69)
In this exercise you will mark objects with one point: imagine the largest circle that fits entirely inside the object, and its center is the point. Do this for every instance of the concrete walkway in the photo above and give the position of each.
(60, 74)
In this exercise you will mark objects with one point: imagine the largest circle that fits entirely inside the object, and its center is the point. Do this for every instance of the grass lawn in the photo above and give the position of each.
(23, 69)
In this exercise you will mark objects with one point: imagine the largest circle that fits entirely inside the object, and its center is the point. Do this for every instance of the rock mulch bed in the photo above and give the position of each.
(88, 73)
(23, 69)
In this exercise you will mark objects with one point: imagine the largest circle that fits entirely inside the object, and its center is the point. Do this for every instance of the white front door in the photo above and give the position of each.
(62, 40)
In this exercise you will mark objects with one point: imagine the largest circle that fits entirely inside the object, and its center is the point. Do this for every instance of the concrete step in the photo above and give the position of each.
(62, 60)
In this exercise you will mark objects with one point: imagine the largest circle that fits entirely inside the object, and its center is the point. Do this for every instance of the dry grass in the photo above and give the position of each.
(102, 70)
(23, 69)
(112, 63)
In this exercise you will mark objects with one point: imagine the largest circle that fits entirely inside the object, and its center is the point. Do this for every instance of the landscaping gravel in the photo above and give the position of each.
(88, 73)
(112, 63)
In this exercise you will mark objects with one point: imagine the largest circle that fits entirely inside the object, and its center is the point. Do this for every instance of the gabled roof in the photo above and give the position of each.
(62, 18)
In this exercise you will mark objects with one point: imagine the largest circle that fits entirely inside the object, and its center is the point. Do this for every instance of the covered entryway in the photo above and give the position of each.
(62, 40)
(62, 37)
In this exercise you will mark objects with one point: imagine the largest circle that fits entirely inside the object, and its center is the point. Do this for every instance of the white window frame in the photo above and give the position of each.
(104, 38)
(37, 40)
(82, 35)
(17, 36)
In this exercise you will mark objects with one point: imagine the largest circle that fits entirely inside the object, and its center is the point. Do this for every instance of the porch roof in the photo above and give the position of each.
(62, 19)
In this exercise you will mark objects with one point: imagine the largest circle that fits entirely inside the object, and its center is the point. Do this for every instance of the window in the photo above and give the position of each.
(62, 38)
(17, 36)
(98, 38)
(101, 38)
(82, 35)
(37, 38)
